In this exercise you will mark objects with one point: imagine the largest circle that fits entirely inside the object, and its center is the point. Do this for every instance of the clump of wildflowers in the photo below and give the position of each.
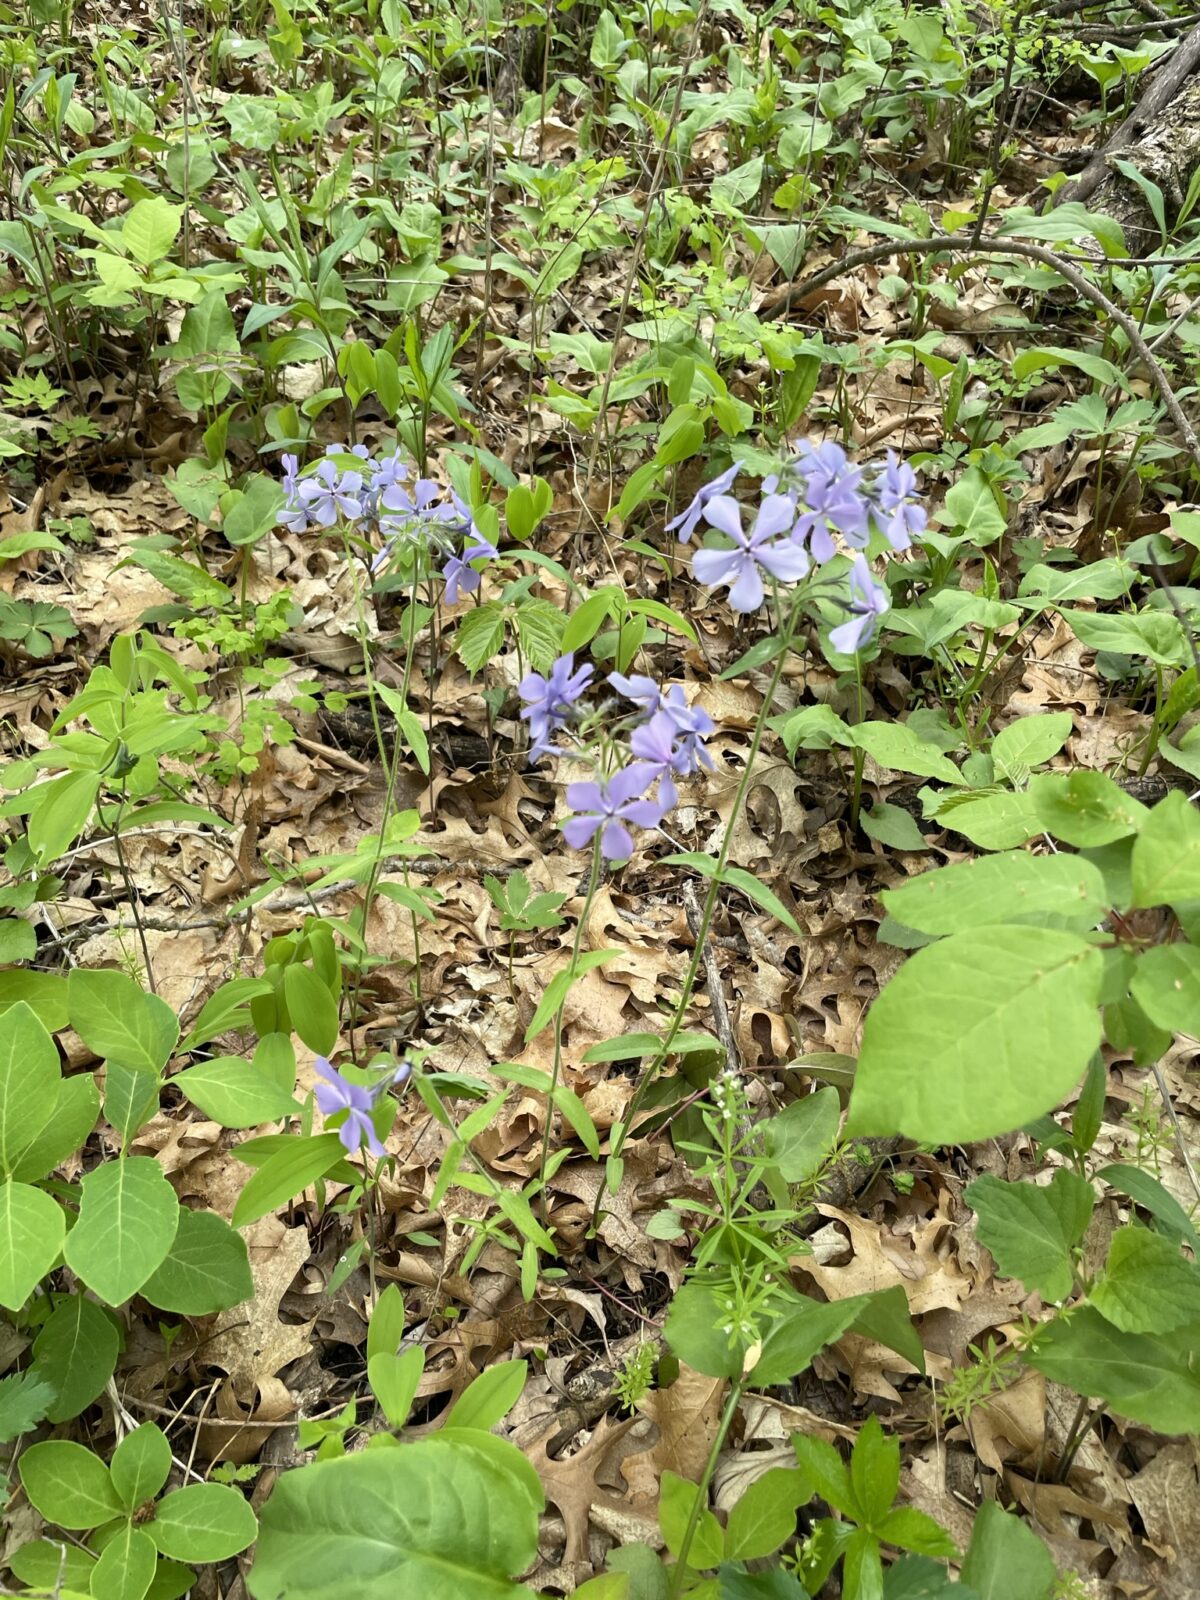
(812, 503)
(383, 501)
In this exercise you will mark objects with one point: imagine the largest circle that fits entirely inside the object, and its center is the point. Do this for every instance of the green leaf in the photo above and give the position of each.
(126, 1566)
(1146, 1285)
(32, 1229)
(977, 1035)
(60, 813)
(394, 1380)
(971, 507)
(207, 1268)
(418, 1520)
(1150, 1194)
(1099, 580)
(893, 826)
(1086, 808)
(45, 993)
(897, 747)
(235, 1093)
(874, 1471)
(140, 1465)
(913, 1530)
(24, 1401)
(479, 635)
(1166, 854)
(488, 1398)
(69, 1485)
(1153, 635)
(49, 1564)
(149, 230)
(557, 989)
(764, 1517)
(539, 628)
(286, 1174)
(117, 1019)
(76, 1353)
(802, 1135)
(1149, 1379)
(884, 1317)
(30, 1079)
(312, 1008)
(203, 1522)
(825, 1470)
(677, 1497)
(793, 1339)
(586, 620)
(72, 1120)
(131, 1098)
(1006, 1560)
(738, 878)
(992, 821)
(1030, 741)
(1166, 984)
(18, 939)
(1031, 1229)
(695, 1331)
(128, 1216)
(1044, 891)
(387, 1324)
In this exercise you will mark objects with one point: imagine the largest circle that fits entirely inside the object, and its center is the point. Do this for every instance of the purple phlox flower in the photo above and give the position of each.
(359, 450)
(388, 471)
(410, 515)
(896, 491)
(643, 691)
(834, 497)
(293, 516)
(654, 743)
(688, 519)
(610, 808)
(461, 578)
(328, 495)
(549, 700)
(692, 725)
(742, 567)
(338, 1094)
(869, 601)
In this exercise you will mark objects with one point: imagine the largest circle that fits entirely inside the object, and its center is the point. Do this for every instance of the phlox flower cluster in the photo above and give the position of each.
(811, 504)
(664, 741)
(336, 1093)
(383, 499)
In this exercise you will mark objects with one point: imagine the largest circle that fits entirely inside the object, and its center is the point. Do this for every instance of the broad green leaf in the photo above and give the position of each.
(141, 1464)
(1166, 854)
(893, 826)
(977, 1035)
(1152, 1380)
(1147, 1286)
(76, 1352)
(131, 1098)
(18, 940)
(992, 821)
(126, 1566)
(414, 1521)
(793, 1339)
(45, 993)
(489, 1397)
(207, 1268)
(1031, 1229)
(128, 1216)
(696, 1331)
(48, 1564)
(1029, 742)
(388, 1320)
(971, 507)
(235, 1092)
(1100, 580)
(312, 1008)
(677, 1498)
(874, 1470)
(117, 1019)
(203, 1522)
(60, 813)
(1166, 984)
(32, 1229)
(884, 1316)
(913, 1530)
(68, 1484)
(149, 230)
(559, 987)
(30, 1078)
(286, 1174)
(479, 635)
(72, 1120)
(1006, 1559)
(1086, 808)
(764, 1516)
(802, 1135)
(895, 746)
(1155, 635)
(1044, 891)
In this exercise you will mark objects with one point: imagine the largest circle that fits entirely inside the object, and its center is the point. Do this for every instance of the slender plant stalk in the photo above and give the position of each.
(680, 1571)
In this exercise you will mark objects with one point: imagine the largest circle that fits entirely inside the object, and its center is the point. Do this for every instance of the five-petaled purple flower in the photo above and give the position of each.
(460, 575)
(753, 554)
(330, 494)
(897, 490)
(338, 1094)
(868, 603)
(548, 700)
(689, 518)
(609, 807)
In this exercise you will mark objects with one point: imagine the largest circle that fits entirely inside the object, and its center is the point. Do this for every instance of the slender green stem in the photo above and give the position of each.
(680, 1572)
(594, 875)
(860, 755)
(654, 1065)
